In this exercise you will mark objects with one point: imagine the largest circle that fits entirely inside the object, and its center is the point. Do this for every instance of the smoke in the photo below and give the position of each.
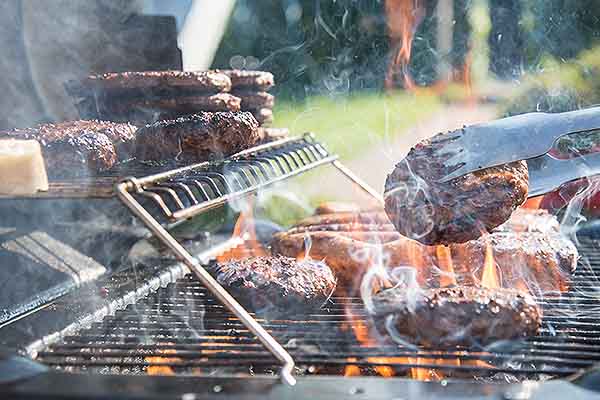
(413, 192)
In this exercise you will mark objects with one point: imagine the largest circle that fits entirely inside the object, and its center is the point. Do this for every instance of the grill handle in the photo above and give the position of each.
(195, 266)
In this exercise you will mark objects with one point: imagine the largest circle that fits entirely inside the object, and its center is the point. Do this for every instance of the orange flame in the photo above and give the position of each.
(444, 257)
(403, 16)
(352, 370)
(161, 369)
(362, 334)
(245, 229)
(489, 278)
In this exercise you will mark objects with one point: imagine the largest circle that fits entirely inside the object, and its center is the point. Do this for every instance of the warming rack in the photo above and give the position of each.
(182, 193)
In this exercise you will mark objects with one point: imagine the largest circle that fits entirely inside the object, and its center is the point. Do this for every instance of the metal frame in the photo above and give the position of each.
(269, 163)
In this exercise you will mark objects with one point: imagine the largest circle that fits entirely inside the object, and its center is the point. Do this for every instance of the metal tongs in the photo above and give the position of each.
(523, 137)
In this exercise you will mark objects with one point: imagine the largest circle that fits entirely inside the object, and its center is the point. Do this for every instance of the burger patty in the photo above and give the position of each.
(214, 102)
(255, 100)
(433, 212)
(538, 262)
(80, 147)
(349, 243)
(79, 155)
(148, 111)
(349, 254)
(244, 79)
(443, 318)
(206, 81)
(197, 137)
(541, 260)
(274, 284)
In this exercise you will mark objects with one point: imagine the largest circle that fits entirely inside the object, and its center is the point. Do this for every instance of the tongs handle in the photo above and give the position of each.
(511, 139)
(547, 173)
(570, 122)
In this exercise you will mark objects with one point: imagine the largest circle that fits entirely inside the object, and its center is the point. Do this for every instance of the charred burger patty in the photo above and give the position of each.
(197, 137)
(80, 147)
(457, 316)
(277, 284)
(433, 212)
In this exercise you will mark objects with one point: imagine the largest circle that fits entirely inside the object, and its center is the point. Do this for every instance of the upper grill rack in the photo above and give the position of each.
(185, 192)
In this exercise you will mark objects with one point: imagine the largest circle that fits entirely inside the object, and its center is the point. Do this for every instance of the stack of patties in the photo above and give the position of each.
(251, 87)
(150, 96)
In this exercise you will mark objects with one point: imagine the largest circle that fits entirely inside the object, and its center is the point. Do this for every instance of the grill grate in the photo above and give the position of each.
(182, 329)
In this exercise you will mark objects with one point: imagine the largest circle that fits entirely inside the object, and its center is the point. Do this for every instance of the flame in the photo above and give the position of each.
(417, 256)
(431, 374)
(489, 278)
(363, 336)
(352, 370)
(161, 369)
(467, 77)
(403, 17)
(444, 257)
(245, 229)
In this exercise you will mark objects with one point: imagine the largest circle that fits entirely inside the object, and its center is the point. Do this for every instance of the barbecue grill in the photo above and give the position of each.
(165, 328)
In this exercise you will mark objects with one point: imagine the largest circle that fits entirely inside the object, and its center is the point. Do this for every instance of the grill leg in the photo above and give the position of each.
(354, 178)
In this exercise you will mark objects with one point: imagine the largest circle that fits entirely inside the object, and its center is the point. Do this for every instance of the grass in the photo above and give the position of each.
(350, 125)
(559, 85)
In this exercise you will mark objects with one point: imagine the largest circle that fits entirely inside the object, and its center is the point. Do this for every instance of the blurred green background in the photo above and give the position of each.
(330, 60)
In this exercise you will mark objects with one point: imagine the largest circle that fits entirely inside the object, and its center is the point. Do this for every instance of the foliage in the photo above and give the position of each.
(559, 86)
(349, 125)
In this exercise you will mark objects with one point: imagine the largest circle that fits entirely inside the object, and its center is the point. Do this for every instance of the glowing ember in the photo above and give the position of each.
(161, 369)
